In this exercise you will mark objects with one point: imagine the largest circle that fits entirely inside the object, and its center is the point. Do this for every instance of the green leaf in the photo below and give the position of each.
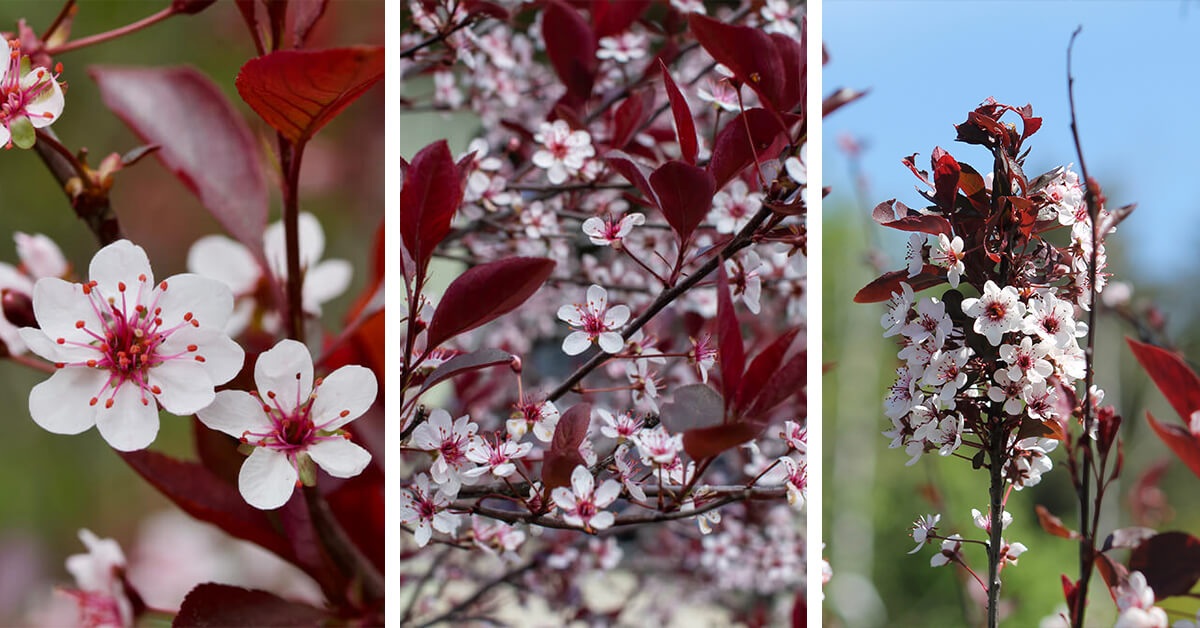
(23, 133)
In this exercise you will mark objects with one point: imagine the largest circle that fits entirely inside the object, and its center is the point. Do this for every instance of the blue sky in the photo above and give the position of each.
(1137, 91)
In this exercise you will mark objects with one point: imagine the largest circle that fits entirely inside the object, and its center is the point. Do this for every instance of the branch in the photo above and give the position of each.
(94, 209)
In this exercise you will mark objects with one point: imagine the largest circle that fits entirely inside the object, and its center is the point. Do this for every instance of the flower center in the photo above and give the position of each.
(995, 311)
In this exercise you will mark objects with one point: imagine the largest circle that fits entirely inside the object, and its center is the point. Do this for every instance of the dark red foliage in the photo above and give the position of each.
(563, 455)
(432, 192)
(213, 605)
(484, 293)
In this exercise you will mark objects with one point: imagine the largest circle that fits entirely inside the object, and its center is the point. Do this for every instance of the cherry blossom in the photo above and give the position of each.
(703, 355)
(949, 255)
(923, 528)
(1027, 361)
(733, 207)
(606, 232)
(657, 446)
(449, 442)
(1135, 600)
(563, 150)
(292, 422)
(99, 575)
(997, 312)
(781, 16)
(594, 321)
(951, 552)
(497, 457)
(583, 504)
(124, 345)
(622, 48)
(621, 427)
(426, 510)
(796, 480)
(32, 99)
(537, 416)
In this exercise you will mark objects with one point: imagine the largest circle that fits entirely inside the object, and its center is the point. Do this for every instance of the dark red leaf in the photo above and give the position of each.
(792, 55)
(1170, 561)
(214, 605)
(299, 91)
(633, 172)
(734, 149)
(710, 441)
(204, 496)
(465, 363)
(1172, 376)
(685, 127)
(563, 455)
(431, 193)
(788, 380)
(761, 368)
(1053, 524)
(839, 99)
(571, 46)
(612, 17)
(685, 194)
(484, 293)
(799, 611)
(882, 287)
(308, 13)
(748, 52)
(692, 406)
(1180, 441)
(731, 353)
(358, 505)
(945, 180)
(203, 140)
(248, 8)
(218, 452)
(628, 117)
(897, 215)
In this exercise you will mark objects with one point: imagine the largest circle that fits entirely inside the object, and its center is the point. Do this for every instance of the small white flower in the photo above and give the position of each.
(606, 232)
(658, 447)
(914, 254)
(1135, 599)
(733, 207)
(622, 48)
(99, 576)
(293, 417)
(583, 504)
(31, 100)
(983, 521)
(921, 529)
(951, 551)
(949, 255)
(495, 457)
(897, 313)
(539, 417)
(563, 150)
(622, 427)
(594, 321)
(997, 312)
(1027, 360)
(427, 510)
(1008, 390)
(448, 441)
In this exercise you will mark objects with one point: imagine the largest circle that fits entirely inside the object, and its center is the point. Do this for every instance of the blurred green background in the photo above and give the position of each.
(51, 485)
(871, 498)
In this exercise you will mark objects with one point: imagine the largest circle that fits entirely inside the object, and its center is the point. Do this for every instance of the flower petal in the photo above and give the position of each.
(61, 404)
(582, 481)
(286, 372)
(184, 386)
(121, 261)
(344, 395)
(616, 316)
(611, 342)
(48, 105)
(234, 412)
(225, 260)
(210, 302)
(130, 424)
(597, 298)
(324, 282)
(267, 479)
(602, 520)
(339, 457)
(575, 343)
(58, 307)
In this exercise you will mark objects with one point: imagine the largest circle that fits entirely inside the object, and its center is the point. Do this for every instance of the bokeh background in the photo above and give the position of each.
(51, 485)
(926, 65)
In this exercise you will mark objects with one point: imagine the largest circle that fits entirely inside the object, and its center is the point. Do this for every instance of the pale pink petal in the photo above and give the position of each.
(607, 493)
(129, 424)
(209, 301)
(184, 384)
(58, 306)
(48, 105)
(61, 404)
(225, 260)
(581, 481)
(597, 298)
(576, 342)
(235, 412)
(120, 262)
(276, 372)
(610, 342)
(324, 282)
(616, 316)
(602, 520)
(569, 314)
(339, 457)
(563, 498)
(267, 479)
(343, 396)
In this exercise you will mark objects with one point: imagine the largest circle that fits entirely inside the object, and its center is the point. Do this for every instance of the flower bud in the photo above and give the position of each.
(18, 308)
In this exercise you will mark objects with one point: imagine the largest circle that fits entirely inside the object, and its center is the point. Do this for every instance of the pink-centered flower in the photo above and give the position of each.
(949, 255)
(497, 457)
(532, 415)
(1135, 599)
(733, 207)
(40, 257)
(427, 510)
(291, 420)
(31, 99)
(448, 441)
(1027, 360)
(563, 150)
(703, 355)
(583, 504)
(997, 312)
(622, 426)
(124, 345)
(594, 321)
(622, 48)
(607, 232)
(657, 446)
(921, 530)
(100, 595)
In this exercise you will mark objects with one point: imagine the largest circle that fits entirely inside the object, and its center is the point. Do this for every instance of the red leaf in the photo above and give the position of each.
(612, 17)
(1180, 441)
(761, 368)
(633, 172)
(213, 604)
(731, 353)
(793, 85)
(629, 115)
(571, 46)
(734, 149)
(308, 13)
(685, 127)
(431, 193)
(298, 91)
(205, 143)
(886, 214)
(1170, 561)
(564, 456)
(710, 441)
(882, 287)
(465, 363)
(945, 179)
(202, 495)
(693, 406)
(484, 293)
(748, 52)
(1053, 524)
(685, 194)
(359, 506)
(783, 383)
(1180, 385)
